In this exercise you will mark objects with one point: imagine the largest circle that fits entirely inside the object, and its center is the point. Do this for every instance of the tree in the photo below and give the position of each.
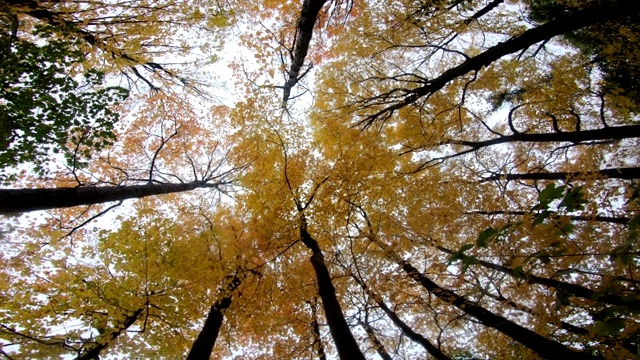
(130, 38)
(19, 200)
(59, 54)
(45, 110)
(464, 176)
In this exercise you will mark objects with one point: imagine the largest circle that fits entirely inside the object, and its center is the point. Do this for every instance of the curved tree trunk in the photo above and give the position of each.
(615, 173)
(598, 13)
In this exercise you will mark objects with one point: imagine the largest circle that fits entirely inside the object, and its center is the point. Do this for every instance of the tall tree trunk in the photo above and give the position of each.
(94, 352)
(317, 341)
(343, 338)
(203, 346)
(599, 12)
(544, 347)
(21, 200)
(616, 173)
(608, 219)
(575, 137)
(577, 330)
(406, 329)
(377, 345)
(573, 289)
(304, 32)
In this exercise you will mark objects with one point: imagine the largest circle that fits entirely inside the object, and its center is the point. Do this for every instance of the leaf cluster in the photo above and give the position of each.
(45, 107)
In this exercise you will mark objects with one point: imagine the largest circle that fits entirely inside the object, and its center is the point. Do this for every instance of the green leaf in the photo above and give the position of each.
(542, 255)
(563, 297)
(465, 247)
(550, 193)
(519, 272)
(573, 200)
(634, 221)
(486, 235)
(541, 217)
(608, 326)
(468, 261)
(460, 253)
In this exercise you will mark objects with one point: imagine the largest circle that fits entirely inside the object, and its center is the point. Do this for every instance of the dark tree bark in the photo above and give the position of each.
(406, 329)
(304, 32)
(617, 173)
(607, 219)
(343, 338)
(94, 351)
(607, 133)
(377, 345)
(203, 346)
(21, 200)
(317, 341)
(598, 13)
(575, 137)
(544, 347)
(577, 330)
(573, 289)
(485, 10)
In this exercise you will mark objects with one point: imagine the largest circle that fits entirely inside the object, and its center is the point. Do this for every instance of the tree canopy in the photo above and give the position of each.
(440, 179)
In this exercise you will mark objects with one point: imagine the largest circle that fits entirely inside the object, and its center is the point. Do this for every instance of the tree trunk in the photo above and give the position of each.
(94, 352)
(345, 342)
(406, 329)
(377, 345)
(573, 289)
(22, 200)
(598, 13)
(607, 133)
(617, 173)
(304, 32)
(544, 347)
(607, 219)
(577, 330)
(203, 346)
(317, 341)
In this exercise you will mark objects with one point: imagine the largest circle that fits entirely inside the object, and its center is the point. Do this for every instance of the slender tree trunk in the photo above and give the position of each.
(406, 329)
(94, 352)
(573, 289)
(544, 347)
(317, 341)
(607, 219)
(598, 13)
(304, 32)
(343, 338)
(21, 200)
(575, 137)
(577, 330)
(203, 346)
(607, 133)
(377, 345)
(617, 173)
(485, 10)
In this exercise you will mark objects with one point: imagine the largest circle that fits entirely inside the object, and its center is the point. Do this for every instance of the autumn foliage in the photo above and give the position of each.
(442, 179)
